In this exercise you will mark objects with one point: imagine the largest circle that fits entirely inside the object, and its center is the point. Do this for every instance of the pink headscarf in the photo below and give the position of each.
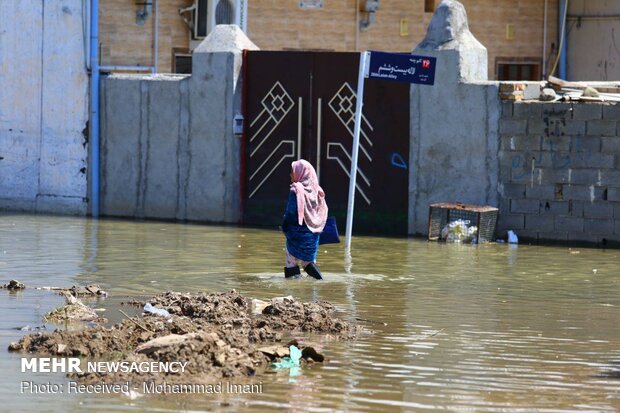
(311, 206)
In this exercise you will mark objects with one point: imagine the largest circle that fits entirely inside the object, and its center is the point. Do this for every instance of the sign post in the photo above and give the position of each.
(396, 67)
(359, 103)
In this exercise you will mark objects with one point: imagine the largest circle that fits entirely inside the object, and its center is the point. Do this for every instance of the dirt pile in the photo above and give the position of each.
(73, 311)
(217, 335)
(231, 308)
(221, 308)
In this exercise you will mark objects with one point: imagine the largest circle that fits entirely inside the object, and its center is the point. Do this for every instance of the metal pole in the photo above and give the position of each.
(563, 11)
(299, 126)
(94, 107)
(359, 103)
(318, 139)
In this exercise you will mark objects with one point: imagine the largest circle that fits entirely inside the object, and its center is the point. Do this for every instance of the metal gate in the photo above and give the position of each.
(302, 105)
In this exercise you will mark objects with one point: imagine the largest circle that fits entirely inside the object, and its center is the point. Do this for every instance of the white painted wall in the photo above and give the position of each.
(43, 106)
(593, 51)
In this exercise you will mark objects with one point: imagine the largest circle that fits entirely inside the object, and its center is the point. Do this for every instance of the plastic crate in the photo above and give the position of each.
(483, 217)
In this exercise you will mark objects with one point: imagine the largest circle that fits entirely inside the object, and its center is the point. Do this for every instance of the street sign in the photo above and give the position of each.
(402, 67)
(396, 67)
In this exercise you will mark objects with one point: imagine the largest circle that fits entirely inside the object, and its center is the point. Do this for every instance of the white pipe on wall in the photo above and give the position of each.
(94, 108)
(156, 36)
(544, 54)
(244, 22)
(86, 17)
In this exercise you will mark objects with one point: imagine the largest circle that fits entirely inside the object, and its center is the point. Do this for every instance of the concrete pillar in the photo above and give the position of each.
(453, 148)
(215, 89)
(43, 107)
(461, 57)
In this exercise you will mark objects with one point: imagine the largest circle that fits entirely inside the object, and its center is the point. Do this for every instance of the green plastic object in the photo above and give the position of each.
(289, 362)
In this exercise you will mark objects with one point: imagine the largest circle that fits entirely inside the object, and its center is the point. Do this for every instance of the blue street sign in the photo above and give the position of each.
(401, 67)
(397, 67)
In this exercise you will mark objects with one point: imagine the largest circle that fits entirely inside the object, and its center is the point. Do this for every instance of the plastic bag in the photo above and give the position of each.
(157, 311)
(459, 231)
(512, 238)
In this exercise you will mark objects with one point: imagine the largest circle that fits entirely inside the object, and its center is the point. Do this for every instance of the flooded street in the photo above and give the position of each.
(489, 328)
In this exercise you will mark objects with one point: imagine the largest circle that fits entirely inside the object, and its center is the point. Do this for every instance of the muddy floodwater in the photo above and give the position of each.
(489, 328)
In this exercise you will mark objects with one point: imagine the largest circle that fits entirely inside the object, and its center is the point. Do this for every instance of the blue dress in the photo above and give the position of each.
(301, 243)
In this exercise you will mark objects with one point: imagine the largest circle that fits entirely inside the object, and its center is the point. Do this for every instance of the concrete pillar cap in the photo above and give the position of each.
(225, 38)
(449, 29)
(461, 58)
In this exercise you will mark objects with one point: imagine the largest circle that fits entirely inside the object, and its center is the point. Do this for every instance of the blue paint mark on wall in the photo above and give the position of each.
(398, 161)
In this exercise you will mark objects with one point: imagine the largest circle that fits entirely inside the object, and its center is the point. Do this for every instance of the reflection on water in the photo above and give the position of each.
(469, 328)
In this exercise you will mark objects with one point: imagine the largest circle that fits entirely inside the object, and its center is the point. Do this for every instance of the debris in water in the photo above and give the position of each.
(14, 285)
(216, 334)
(157, 311)
(92, 290)
(258, 306)
(275, 351)
(512, 237)
(30, 328)
(291, 361)
(74, 311)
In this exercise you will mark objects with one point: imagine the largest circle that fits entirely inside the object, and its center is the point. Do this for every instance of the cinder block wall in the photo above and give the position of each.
(560, 171)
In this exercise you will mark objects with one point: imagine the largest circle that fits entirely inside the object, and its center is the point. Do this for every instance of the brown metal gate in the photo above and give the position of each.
(302, 104)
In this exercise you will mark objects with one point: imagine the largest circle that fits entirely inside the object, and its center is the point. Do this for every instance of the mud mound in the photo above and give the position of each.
(231, 308)
(74, 311)
(208, 355)
(308, 317)
(95, 341)
(218, 308)
(216, 334)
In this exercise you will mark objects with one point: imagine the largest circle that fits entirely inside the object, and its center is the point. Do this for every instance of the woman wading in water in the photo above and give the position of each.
(304, 220)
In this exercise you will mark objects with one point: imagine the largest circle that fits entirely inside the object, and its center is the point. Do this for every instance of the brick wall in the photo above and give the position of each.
(125, 43)
(282, 24)
(488, 20)
(276, 25)
(560, 171)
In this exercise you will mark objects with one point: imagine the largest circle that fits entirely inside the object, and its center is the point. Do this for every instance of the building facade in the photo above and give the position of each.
(520, 45)
(593, 38)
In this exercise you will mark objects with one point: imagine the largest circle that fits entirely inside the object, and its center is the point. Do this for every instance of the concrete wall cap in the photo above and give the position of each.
(225, 38)
(169, 77)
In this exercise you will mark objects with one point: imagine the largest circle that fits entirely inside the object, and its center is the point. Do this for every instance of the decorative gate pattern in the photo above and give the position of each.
(302, 105)
(343, 105)
(276, 104)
